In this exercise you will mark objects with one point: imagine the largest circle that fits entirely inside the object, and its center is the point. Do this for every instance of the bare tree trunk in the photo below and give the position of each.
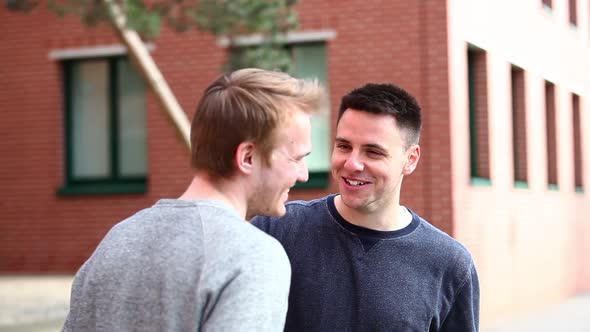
(150, 72)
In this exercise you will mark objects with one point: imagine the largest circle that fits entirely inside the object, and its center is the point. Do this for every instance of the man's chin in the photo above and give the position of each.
(277, 212)
(280, 211)
(352, 202)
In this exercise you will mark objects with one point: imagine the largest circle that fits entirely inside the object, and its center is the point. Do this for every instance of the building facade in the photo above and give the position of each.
(504, 87)
(519, 94)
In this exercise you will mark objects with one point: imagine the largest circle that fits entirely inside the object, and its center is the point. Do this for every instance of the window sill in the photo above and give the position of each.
(481, 182)
(548, 9)
(103, 188)
(317, 180)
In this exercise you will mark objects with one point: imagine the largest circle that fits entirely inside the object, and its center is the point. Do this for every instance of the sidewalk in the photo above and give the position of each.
(34, 303)
(573, 315)
(40, 304)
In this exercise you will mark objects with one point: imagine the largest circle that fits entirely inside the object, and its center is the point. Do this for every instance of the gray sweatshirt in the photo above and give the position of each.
(182, 266)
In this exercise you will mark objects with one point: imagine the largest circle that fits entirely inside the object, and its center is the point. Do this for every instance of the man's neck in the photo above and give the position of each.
(229, 192)
(392, 218)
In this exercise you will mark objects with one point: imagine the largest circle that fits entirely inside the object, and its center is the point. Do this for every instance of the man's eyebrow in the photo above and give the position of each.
(299, 157)
(366, 146)
(375, 146)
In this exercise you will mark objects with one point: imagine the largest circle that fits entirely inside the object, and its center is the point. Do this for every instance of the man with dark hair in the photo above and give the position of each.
(193, 263)
(361, 261)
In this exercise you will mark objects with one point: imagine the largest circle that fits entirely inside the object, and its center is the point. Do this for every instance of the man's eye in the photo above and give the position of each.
(342, 146)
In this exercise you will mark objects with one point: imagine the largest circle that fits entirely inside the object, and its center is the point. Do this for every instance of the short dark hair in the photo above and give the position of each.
(246, 105)
(387, 99)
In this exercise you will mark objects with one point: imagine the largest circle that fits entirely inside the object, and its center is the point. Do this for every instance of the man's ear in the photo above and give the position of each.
(413, 155)
(245, 157)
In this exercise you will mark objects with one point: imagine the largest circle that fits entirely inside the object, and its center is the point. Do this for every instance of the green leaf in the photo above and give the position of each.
(228, 18)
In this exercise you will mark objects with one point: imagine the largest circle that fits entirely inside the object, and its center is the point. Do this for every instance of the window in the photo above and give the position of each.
(105, 127)
(577, 130)
(550, 124)
(573, 12)
(310, 62)
(519, 129)
(478, 116)
(547, 4)
(308, 52)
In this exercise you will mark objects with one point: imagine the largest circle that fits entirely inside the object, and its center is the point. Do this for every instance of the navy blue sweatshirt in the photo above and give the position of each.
(349, 278)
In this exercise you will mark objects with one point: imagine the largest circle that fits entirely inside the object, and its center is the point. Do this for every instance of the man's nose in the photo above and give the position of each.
(354, 163)
(302, 172)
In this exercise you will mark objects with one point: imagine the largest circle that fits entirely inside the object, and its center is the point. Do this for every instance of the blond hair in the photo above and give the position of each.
(246, 105)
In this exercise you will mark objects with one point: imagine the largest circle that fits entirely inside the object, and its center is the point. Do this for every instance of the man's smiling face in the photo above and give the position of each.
(369, 160)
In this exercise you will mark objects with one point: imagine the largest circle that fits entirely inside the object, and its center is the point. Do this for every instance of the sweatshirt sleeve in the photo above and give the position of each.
(254, 297)
(464, 313)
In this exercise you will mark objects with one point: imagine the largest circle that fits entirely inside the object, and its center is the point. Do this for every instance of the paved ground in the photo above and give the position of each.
(572, 315)
(40, 304)
(34, 303)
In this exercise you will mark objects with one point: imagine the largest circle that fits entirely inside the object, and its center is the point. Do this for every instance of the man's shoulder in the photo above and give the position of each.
(311, 206)
(297, 212)
(254, 238)
(300, 217)
(248, 249)
(233, 236)
(439, 242)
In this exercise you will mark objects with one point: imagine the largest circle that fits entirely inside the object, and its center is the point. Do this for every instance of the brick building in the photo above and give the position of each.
(504, 85)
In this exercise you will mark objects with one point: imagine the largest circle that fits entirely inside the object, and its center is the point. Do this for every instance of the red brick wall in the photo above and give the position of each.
(433, 180)
(41, 231)
(394, 41)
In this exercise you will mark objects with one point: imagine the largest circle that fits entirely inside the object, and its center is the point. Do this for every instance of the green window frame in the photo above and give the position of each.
(105, 127)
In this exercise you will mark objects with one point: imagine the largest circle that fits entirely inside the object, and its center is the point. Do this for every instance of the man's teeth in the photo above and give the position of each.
(355, 183)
